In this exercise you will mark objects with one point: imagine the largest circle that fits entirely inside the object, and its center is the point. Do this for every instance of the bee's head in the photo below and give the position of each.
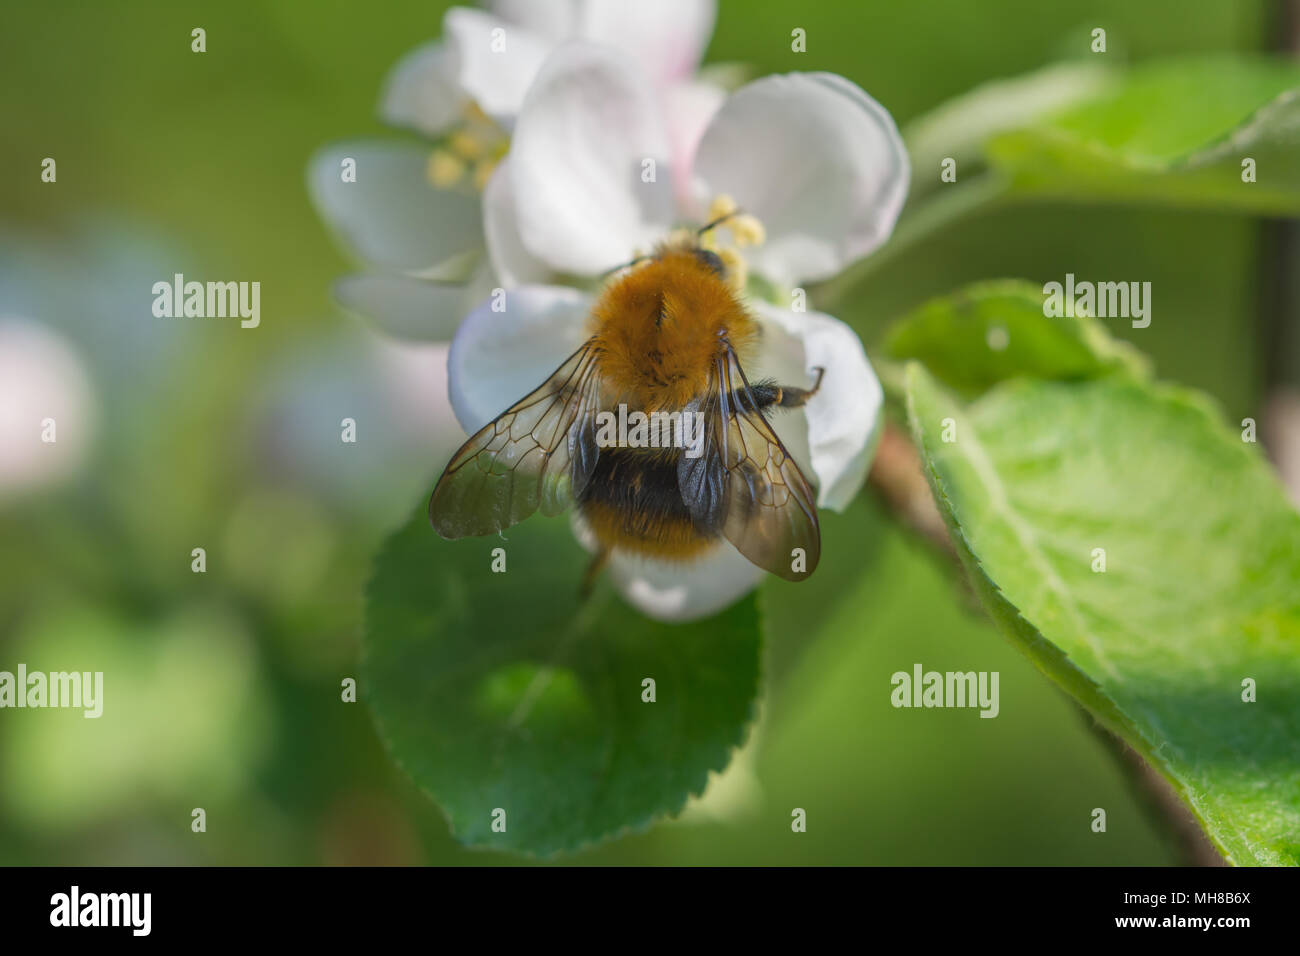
(711, 261)
(684, 247)
(699, 248)
(725, 261)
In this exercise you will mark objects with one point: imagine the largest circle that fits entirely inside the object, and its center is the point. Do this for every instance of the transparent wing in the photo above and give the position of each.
(539, 453)
(747, 485)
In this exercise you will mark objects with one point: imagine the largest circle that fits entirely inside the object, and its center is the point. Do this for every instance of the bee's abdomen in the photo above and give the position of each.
(632, 502)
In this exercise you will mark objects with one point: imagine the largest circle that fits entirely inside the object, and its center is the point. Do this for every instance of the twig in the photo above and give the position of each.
(897, 477)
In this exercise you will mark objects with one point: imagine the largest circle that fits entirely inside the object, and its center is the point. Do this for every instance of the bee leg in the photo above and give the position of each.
(794, 397)
(593, 571)
(767, 394)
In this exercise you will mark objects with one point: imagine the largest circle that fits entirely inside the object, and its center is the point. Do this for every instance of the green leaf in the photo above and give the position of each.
(500, 690)
(1201, 588)
(961, 127)
(991, 331)
(1173, 132)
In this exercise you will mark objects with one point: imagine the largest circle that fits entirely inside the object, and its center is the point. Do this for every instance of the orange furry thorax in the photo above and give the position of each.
(660, 326)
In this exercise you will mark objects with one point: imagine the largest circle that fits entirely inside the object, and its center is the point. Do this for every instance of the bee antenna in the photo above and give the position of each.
(626, 265)
(708, 227)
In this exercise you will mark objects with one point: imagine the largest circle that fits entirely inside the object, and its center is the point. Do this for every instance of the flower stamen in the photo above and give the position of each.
(469, 153)
(746, 230)
(722, 207)
(737, 268)
(445, 169)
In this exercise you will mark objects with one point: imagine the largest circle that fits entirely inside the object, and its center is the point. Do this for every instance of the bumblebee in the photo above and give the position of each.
(668, 334)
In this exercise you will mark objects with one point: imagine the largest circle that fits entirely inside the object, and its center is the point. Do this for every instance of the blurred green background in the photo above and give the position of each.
(223, 688)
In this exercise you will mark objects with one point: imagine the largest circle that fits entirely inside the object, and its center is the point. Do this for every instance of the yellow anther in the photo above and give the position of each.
(747, 230)
(737, 269)
(445, 169)
(483, 171)
(722, 205)
(466, 145)
(474, 113)
(709, 241)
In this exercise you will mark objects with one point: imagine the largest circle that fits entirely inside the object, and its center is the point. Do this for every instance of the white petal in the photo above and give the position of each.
(556, 19)
(497, 358)
(406, 307)
(581, 147)
(415, 380)
(687, 590)
(842, 419)
(511, 260)
(817, 160)
(391, 215)
(42, 379)
(422, 91)
(689, 108)
(497, 61)
(665, 39)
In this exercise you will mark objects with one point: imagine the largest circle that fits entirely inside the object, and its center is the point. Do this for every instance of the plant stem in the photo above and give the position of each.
(896, 476)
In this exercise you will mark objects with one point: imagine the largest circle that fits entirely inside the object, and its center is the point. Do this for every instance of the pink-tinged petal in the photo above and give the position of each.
(666, 39)
(689, 108)
(414, 377)
(817, 160)
(43, 386)
(589, 135)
